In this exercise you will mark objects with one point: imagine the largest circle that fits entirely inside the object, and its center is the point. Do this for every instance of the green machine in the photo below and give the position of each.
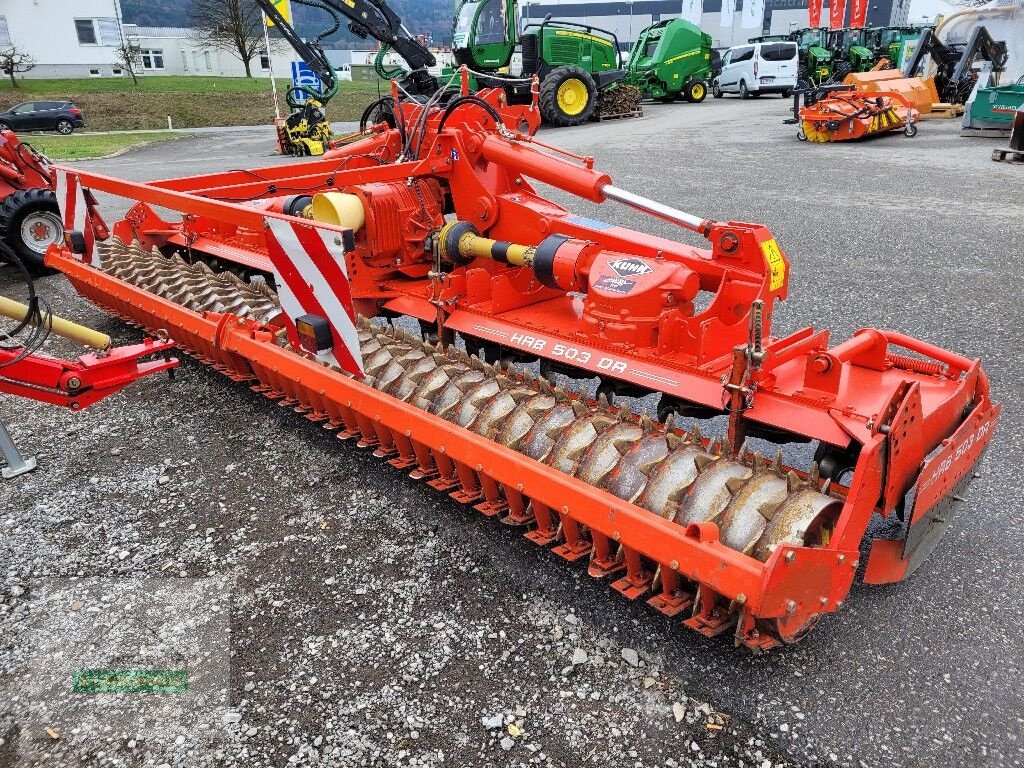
(574, 62)
(671, 60)
(893, 43)
(850, 52)
(992, 111)
(815, 56)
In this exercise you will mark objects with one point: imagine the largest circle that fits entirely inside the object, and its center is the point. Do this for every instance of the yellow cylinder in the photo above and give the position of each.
(86, 336)
(338, 208)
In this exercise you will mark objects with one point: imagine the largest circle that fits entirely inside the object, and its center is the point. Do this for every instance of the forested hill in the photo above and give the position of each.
(433, 17)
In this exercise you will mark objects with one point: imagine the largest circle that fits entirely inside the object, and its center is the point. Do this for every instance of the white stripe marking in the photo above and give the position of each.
(336, 313)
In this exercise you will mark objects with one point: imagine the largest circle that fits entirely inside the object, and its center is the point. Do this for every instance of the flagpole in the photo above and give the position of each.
(270, 66)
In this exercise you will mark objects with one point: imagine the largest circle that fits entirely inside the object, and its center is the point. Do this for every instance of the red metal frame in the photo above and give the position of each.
(889, 408)
(77, 384)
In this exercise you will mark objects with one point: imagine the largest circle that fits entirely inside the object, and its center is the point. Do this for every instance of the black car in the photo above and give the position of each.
(60, 116)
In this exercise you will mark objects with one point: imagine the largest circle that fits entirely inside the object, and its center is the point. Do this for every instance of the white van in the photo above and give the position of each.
(757, 68)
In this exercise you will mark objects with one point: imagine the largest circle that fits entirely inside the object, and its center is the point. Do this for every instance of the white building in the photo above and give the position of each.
(80, 38)
(179, 51)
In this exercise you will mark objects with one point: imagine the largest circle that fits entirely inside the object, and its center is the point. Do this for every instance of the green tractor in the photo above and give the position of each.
(671, 60)
(894, 44)
(850, 53)
(574, 62)
(815, 57)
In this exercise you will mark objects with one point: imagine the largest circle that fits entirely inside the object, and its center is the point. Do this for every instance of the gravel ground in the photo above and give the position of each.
(330, 611)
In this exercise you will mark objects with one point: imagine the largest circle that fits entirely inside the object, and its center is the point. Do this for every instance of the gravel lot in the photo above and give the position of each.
(331, 611)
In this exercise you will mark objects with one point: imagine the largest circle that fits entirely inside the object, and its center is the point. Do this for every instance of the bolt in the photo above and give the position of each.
(674, 565)
(408, 433)
(855, 563)
(790, 556)
(441, 449)
(842, 559)
(741, 599)
(791, 606)
(824, 602)
(519, 487)
(479, 467)
(565, 510)
(74, 382)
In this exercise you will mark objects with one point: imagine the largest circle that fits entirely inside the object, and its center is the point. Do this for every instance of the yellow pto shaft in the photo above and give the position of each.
(86, 336)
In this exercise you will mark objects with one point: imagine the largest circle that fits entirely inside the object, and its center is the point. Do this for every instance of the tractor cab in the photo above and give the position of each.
(849, 51)
(484, 34)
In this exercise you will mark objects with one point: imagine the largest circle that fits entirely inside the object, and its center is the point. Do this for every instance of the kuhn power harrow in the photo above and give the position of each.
(271, 276)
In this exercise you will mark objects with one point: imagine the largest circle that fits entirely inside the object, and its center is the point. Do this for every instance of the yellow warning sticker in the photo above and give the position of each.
(776, 263)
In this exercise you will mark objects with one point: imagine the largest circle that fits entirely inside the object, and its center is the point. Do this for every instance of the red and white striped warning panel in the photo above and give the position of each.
(312, 283)
(74, 212)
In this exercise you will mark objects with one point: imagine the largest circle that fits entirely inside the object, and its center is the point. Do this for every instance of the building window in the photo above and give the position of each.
(152, 58)
(195, 60)
(98, 32)
(110, 33)
(117, 71)
(209, 61)
(184, 61)
(86, 30)
(94, 73)
(5, 33)
(264, 60)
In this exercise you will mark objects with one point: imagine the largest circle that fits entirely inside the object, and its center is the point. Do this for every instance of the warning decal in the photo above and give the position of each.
(776, 263)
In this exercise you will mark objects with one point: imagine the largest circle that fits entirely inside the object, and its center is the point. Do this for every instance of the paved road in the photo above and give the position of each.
(919, 235)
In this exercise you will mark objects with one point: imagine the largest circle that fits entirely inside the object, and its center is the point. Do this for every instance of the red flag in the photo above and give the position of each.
(858, 13)
(814, 7)
(836, 13)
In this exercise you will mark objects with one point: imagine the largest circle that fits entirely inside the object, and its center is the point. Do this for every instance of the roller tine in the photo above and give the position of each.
(793, 482)
(561, 396)
(696, 436)
(602, 401)
(743, 454)
(815, 472)
(827, 487)
(646, 424)
(670, 422)
(673, 440)
(777, 463)
(579, 408)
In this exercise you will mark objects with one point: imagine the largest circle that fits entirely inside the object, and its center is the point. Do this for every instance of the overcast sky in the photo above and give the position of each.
(929, 8)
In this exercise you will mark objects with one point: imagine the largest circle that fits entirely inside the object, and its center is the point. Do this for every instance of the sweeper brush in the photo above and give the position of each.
(842, 113)
(285, 278)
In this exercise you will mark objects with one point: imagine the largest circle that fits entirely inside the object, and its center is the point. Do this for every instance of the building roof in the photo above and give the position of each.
(172, 32)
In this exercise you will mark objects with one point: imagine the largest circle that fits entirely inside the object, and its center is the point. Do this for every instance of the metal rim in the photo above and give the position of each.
(40, 230)
(572, 96)
(65, 127)
(698, 91)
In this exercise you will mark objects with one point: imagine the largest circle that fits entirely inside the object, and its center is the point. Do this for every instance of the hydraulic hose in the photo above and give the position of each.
(464, 100)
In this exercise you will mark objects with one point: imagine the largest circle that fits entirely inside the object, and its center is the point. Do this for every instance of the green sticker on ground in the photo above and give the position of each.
(129, 681)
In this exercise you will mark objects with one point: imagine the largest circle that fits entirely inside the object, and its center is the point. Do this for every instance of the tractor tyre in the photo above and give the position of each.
(30, 222)
(668, 98)
(568, 97)
(843, 68)
(696, 91)
(744, 93)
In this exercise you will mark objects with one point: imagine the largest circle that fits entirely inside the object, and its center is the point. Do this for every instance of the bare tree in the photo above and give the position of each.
(14, 61)
(235, 26)
(127, 56)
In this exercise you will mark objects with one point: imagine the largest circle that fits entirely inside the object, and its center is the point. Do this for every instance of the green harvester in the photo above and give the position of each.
(671, 60)
(573, 62)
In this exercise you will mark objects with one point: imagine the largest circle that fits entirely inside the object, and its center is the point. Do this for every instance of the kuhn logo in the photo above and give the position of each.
(630, 267)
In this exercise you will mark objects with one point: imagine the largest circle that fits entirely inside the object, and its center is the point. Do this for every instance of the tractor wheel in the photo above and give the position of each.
(716, 90)
(843, 68)
(668, 98)
(744, 93)
(696, 92)
(29, 223)
(568, 96)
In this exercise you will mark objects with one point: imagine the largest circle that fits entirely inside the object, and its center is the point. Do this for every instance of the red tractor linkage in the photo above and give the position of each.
(270, 275)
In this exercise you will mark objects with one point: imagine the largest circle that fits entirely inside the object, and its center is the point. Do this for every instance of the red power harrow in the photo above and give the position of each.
(270, 276)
